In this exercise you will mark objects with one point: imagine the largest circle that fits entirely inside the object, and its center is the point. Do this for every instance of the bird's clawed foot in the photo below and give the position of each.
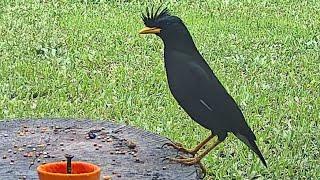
(179, 147)
(189, 161)
(185, 160)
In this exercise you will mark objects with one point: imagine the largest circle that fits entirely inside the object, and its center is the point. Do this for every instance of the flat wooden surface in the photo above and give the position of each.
(122, 152)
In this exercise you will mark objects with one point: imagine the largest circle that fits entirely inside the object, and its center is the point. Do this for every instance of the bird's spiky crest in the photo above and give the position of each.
(150, 17)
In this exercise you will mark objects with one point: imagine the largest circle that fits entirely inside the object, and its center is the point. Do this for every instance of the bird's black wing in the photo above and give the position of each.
(217, 108)
(212, 93)
(202, 96)
(213, 97)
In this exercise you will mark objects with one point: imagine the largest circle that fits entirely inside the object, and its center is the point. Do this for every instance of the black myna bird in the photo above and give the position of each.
(195, 87)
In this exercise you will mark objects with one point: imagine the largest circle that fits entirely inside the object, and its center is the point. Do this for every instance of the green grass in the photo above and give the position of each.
(86, 60)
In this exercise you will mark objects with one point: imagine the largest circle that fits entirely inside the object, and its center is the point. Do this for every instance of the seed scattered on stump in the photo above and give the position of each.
(107, 177)
(134, 150)
(29, 154)
(95, 144)
(4, 157)
(61, 144)
(21, 133)
(91, 135)
(131, 145)
(41, 145)
(43, 130)
(122, 152)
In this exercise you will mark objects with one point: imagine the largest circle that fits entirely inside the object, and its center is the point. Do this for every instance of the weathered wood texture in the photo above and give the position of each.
(122, 152)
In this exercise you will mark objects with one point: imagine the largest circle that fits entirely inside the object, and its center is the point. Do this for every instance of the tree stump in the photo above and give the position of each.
(122, 152)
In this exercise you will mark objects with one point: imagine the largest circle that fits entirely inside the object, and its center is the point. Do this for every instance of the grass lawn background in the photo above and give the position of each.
(77, 59)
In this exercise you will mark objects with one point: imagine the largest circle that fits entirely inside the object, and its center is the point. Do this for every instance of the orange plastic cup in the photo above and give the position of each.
(58, 171)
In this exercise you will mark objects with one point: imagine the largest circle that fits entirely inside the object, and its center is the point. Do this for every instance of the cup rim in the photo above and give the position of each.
(41, 171)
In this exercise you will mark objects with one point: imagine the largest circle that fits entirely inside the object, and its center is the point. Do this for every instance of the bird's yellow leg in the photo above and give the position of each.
(197, 159)
(200, 145)
(190, 151)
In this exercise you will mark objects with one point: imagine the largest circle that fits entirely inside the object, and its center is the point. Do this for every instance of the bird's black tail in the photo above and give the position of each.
(253, 146)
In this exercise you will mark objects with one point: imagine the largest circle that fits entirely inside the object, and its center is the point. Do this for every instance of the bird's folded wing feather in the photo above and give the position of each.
(207, 87)
(214, 98)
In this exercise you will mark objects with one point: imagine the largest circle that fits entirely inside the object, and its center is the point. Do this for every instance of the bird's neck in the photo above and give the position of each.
(181, 42)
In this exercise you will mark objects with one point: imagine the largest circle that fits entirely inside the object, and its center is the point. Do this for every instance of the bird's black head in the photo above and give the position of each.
(169, 28)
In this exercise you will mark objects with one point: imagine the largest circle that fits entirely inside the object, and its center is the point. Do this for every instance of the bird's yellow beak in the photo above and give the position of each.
(149, 30)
